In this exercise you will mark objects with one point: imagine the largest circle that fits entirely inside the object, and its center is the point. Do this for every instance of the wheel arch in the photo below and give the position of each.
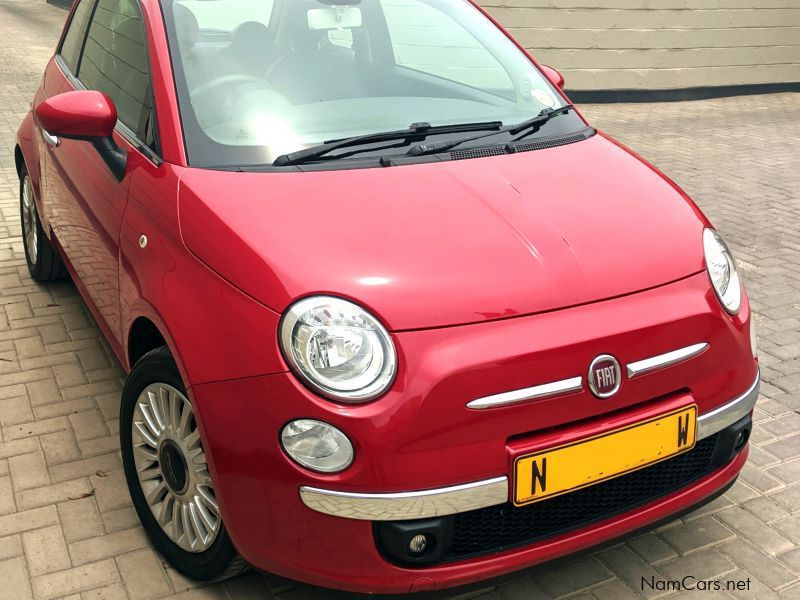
(25, 151)
(26, 155)
(143, 336)
(19, 159)
(148, 332)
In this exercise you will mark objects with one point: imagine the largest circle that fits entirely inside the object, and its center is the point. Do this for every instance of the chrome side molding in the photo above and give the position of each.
(667, 359)
(718, 419)
(555, 388)
(402, 506)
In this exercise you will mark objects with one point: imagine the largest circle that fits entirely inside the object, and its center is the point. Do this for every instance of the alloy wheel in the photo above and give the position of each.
(29, 225)
(172, 468)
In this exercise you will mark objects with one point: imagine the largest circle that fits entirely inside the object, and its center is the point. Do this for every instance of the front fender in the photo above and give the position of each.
(214, 331)
(26, 153)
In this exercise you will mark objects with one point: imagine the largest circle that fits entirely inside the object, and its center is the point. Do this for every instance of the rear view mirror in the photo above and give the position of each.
(81, 115)
(555, 77)
(335, 17)
(84, 115)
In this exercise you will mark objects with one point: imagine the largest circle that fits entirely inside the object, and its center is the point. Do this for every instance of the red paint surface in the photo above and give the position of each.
(492, 274)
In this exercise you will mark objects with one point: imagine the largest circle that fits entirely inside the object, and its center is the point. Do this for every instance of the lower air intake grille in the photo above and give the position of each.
(497, 528)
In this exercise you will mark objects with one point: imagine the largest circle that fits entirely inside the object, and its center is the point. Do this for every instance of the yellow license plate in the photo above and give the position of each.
(591, 460)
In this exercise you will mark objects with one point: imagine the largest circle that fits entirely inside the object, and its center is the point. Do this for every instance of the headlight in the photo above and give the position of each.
(338, 348)
(317, 445)
(722, 271)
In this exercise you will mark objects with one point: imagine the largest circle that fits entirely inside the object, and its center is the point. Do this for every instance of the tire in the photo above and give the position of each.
(154, 403)
(44, 264)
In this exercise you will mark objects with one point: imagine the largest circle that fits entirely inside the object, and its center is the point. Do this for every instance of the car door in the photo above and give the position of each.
(84, 201)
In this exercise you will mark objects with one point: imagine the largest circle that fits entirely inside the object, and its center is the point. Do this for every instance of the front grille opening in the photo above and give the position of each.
(497, 528)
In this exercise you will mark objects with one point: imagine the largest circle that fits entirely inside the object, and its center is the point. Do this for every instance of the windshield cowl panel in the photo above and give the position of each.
(260, 79)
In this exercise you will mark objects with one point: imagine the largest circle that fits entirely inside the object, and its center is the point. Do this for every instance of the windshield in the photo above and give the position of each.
(260, 78)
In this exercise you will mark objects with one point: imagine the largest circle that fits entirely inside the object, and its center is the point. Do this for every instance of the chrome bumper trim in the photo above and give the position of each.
(648, 365)
(402, 506)
(718, 419)
(556, 388)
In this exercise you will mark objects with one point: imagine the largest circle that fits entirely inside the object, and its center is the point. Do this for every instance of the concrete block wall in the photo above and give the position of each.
(658, 44)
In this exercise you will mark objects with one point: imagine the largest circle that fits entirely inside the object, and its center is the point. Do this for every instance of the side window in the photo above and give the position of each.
(114, 61)
(76, 32)
(426, 39)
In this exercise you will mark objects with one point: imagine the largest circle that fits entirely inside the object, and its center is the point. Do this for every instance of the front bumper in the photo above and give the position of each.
(480, 494)
(501, 528)
(423, 436)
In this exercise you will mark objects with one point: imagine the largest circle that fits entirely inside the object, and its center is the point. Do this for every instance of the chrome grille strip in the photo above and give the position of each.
(575, 384)
(555, 388)
(648, 365)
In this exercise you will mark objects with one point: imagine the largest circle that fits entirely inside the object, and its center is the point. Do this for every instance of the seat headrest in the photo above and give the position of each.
(250, 38)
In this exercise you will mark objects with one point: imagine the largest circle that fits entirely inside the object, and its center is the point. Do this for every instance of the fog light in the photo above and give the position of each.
(741, 439)
(418, 544)
(753, 336)
(317, 445)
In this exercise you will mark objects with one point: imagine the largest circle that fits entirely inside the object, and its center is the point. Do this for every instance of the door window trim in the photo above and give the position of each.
(153, 155)
(67, 27)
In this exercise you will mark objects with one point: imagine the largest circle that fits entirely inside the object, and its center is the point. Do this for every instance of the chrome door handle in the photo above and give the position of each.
(50, 138)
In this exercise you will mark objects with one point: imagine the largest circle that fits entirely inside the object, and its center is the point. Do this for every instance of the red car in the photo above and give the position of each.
(396, 317)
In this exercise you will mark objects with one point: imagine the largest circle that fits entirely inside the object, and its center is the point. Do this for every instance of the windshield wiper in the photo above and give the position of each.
(533, 125)
(416, 130)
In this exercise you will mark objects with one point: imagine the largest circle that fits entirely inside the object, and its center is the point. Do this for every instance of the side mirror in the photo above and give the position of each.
(556, 78)
(85, 115)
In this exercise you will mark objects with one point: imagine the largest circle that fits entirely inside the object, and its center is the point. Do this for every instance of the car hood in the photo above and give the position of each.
(448, 243)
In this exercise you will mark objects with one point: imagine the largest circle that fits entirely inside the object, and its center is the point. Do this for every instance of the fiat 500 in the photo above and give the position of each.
(395, 316)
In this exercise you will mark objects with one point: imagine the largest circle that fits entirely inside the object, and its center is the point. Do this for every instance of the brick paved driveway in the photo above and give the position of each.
(67, 527)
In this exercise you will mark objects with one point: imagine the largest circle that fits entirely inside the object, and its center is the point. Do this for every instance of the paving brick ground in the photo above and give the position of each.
(67, 528)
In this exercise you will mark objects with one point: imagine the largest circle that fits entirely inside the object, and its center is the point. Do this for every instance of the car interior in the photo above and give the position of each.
(297, 56)
(274, 55)
(299, 72)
